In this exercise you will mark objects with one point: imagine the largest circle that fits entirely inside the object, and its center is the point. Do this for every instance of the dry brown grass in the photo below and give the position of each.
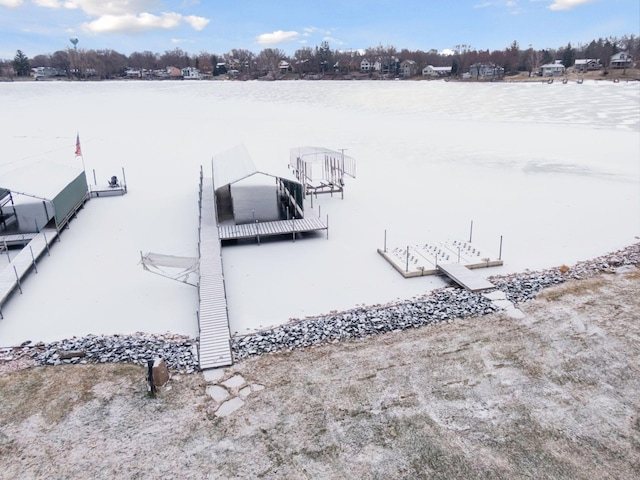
(554, 395)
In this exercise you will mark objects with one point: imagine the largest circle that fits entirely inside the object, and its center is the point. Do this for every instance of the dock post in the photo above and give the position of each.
(124, 180)
(257, 232)
(95, 182)
(385, 241)
(406, 269)
(500, 254)
(46, 242)
(471, 231)
(33, 259)
(327, 227)
(17, 279)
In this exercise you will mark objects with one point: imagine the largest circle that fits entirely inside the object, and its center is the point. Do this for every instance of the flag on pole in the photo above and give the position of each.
(78, 149)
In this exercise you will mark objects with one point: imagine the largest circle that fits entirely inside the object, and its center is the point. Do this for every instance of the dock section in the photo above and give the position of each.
(213, 318)
(23, 262)
(265, 229)
(465, 278)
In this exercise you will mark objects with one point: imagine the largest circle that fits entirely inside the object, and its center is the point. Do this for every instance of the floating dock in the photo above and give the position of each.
(277, 227)
(436, 258)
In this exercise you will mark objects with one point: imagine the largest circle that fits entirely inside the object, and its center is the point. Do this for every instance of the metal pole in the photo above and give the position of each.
(471, 231)
(95, 182)
(6, 249)
(17, 279)
(33, 259)
(385, 241)
(327, 227)
(500, 254)
(458, 254)
(406, 269)
(124, 180)
(44, 234)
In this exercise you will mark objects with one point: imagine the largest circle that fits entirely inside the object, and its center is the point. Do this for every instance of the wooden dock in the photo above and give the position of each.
(213, 319)
(465, 278)
(22, 263)
(265, 229)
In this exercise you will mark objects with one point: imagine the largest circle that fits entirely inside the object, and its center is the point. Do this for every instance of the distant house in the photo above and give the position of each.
(43, 73)
(408, 68)
(485, 70)
(621, 60)
(555, 69)
(365, 66)
(190, 73)
(174, 72)
(431, 71)
(283, 66)
(587, 64)
(387, 66)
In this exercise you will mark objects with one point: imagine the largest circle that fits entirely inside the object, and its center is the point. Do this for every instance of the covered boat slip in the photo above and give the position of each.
(252, 204)
(42, 195)
(21, 263)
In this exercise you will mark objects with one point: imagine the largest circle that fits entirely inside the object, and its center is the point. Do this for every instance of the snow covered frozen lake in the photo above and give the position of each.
(554, 169)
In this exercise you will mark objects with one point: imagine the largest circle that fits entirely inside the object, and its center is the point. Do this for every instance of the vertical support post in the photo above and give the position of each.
(6, 249)
(95, 181)
(458, 254)
(327, 227)
(500, 254)
(33, 259)
(46, 242)
(152, 387)
(406, 268)
(124, 181)
(17, 278)
(257, 232)
(471, 232)
(385, 241)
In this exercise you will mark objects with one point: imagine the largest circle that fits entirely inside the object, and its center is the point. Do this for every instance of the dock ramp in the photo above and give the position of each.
(465, 278)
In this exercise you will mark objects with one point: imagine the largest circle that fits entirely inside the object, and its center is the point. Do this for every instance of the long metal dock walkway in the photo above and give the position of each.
(23, 262)
(213, 318)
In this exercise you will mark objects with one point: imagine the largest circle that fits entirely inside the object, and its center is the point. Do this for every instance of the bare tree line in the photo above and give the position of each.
(105, 64)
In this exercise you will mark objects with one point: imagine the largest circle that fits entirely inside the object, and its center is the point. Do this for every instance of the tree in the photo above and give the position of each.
(60, 61)
(21, 64)
(568, 56)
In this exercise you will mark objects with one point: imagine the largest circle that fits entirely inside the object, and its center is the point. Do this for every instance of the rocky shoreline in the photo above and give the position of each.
(445, 304)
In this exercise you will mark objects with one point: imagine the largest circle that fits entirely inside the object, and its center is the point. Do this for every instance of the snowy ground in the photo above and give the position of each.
(552, 168)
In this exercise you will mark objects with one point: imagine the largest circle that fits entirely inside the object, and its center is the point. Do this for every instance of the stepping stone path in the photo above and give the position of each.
(228, 392)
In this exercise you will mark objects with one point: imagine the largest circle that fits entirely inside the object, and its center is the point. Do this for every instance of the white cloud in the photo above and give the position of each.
(99, 8)
(48, 3)
(447, 51)
(197, 23)
(133, 23)
(568, 4)
(10, 3)
(277, 37)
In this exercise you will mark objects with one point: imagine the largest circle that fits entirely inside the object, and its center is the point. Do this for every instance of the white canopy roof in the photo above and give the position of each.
(235, 164)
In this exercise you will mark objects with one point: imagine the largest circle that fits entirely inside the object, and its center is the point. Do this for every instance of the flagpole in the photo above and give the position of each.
(79, 153)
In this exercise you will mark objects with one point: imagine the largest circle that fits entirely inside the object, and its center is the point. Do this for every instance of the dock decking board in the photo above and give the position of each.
(215, 347)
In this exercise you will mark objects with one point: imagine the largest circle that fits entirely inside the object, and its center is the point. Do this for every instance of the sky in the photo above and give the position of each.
(217, 26)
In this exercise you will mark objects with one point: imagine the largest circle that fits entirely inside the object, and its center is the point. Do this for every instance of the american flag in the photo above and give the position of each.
(78, 149)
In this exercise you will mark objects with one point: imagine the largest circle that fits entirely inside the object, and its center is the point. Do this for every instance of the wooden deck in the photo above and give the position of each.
(22, 263)
(465, 278)
(264, 229)
(213, 318)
